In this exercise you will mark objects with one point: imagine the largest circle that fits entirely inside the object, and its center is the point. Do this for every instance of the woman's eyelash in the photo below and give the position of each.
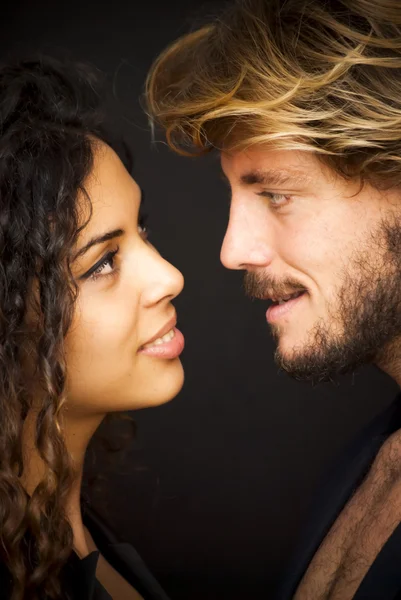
(96, 271)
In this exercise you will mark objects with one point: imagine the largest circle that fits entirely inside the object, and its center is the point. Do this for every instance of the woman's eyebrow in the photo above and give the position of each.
(110, 235)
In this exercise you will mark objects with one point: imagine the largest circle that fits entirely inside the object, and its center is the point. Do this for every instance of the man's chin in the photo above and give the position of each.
(315, 358)
(299, 368)
(288, 360)
(316, 366)
(288, 349)
(303, 362)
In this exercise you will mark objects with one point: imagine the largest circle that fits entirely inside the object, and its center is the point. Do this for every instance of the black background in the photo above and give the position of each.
(215, 486)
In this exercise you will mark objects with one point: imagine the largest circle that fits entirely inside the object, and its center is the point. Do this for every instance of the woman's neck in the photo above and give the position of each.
(78, 431)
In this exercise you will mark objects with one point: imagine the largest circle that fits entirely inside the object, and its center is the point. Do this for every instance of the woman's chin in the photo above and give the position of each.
(174, 385)
(164, 388)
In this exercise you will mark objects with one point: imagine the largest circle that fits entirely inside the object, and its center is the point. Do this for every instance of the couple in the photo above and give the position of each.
(301, 98)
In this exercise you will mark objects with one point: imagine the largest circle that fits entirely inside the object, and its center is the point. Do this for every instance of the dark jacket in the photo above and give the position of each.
(383, 580)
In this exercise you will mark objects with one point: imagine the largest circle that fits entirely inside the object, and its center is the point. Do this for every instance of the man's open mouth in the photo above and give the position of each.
(275, 300)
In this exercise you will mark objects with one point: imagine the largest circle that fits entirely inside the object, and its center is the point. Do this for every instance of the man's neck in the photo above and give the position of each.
(389, 361)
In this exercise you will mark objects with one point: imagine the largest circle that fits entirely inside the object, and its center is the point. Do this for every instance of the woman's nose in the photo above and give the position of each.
(163, 281)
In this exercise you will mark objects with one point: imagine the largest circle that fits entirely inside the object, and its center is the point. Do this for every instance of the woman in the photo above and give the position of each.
(87, 329)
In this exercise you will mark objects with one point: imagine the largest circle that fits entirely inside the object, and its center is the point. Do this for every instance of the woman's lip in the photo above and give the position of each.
(168, 327)
(170, 349)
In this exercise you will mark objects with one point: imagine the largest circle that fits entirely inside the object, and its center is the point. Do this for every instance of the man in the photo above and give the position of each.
(302, 98)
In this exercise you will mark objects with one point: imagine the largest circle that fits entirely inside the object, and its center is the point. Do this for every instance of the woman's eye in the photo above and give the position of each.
(104, 267)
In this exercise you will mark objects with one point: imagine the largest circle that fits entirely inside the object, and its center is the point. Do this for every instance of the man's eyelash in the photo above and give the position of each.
(271, 196)
(142, 223)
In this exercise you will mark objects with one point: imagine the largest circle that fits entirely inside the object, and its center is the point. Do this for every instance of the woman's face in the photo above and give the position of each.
(125, 294)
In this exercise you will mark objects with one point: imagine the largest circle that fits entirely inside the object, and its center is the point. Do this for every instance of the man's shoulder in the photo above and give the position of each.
(337, 484)
(366, 443)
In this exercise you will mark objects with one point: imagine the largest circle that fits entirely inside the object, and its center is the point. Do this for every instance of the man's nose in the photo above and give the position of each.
(246, 243)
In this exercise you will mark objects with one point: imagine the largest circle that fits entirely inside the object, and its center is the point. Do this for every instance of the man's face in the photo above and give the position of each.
(326, 251)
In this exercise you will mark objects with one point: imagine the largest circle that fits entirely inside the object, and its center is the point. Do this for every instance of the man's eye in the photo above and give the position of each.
(276, 200)
(104, 267)
(143, 229)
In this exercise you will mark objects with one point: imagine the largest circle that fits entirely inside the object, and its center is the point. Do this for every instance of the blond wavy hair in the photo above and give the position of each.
(322, 76)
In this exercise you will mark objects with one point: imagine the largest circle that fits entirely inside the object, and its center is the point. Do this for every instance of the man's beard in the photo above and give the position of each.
(366, 312)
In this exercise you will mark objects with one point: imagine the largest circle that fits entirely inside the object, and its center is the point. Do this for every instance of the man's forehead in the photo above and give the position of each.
(264, 168)
(272, 177)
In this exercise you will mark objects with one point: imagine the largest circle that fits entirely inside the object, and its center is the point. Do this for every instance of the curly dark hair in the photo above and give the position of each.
(50, 112)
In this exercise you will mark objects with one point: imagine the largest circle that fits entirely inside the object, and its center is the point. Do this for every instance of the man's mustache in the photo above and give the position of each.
(262, 286)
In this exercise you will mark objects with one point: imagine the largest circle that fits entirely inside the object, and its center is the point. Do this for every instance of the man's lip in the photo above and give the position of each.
(168, 327)
(277, 298)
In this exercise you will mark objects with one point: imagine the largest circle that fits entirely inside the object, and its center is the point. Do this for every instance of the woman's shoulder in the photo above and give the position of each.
(79, 575)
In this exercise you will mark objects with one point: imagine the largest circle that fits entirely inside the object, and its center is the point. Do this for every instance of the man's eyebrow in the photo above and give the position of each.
(275, 177)
(106, 237)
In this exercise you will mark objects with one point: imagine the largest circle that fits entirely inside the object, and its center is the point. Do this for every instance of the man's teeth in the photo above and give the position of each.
(162, 340)
(286, 298)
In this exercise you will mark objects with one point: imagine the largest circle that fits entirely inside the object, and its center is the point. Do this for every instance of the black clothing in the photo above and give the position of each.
(78, 576)
(383, 580)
